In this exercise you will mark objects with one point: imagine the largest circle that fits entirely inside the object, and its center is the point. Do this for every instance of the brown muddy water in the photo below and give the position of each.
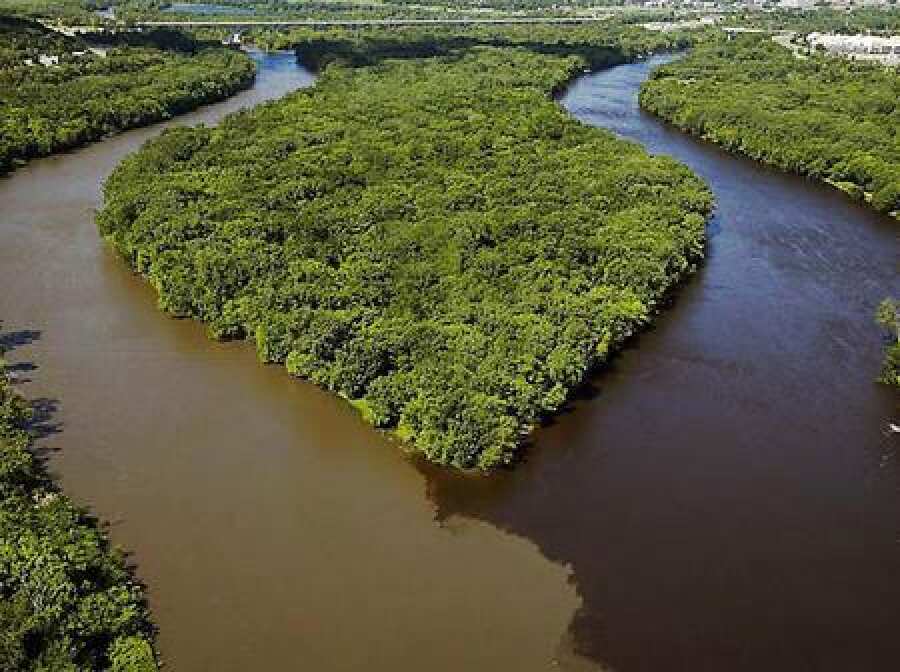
(724, 497)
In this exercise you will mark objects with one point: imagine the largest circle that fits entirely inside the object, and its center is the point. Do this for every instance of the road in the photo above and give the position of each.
(326, 23)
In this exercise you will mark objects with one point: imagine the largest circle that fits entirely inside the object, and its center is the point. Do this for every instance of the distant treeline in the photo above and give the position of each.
(598, 45)
(434, 239)
(142, 78)
(47, 8)
(832, 119)
(67, 599)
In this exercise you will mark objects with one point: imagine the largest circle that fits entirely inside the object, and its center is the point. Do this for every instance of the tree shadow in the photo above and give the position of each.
(21, 367)
(15, 339)
(11, 340)
(15, 371)
(43, 423)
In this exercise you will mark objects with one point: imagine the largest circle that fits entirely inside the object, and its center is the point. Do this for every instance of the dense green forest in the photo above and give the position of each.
(58, 92)
(67, 600)
(435, 239)
(831, 119)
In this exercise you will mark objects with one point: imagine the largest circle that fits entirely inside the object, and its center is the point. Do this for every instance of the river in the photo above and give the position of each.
(722, 497)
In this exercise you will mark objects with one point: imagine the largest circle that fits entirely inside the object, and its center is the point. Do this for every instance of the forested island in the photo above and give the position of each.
(831, 119)
(430, 237)
(67, 599)
(58, 92)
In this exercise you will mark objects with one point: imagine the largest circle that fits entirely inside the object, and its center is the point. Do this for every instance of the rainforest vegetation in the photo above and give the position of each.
(59, 92)
(67, 600)
(434, 239)
(832, 119)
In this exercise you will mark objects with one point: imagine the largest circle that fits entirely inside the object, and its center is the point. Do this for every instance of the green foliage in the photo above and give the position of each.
(67, 600)
(434, 239)
(87, 95)
(828, 118)
(888, 316)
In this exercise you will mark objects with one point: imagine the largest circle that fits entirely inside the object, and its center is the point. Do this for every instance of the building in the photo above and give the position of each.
(863, 47)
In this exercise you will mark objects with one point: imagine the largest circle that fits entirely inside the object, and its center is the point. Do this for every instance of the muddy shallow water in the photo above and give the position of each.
(723, 498)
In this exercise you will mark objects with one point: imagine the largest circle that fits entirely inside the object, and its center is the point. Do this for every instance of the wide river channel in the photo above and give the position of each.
(723, 497)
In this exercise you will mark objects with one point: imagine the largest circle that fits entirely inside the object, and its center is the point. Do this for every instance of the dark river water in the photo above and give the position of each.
(723, 497)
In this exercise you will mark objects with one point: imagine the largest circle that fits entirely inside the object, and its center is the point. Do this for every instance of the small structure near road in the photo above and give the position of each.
(233, 41)
(670, 26)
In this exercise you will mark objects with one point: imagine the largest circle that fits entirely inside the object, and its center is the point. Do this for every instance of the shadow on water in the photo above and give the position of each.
(43, 409)
(11, 340)
(22, 367)
(15, 339)
(725, 493)
(43, 423)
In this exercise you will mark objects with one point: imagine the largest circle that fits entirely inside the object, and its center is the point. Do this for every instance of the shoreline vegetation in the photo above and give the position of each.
(425, 232)
(59, 92)
(68, 600)
(888, 317)
(753, 97)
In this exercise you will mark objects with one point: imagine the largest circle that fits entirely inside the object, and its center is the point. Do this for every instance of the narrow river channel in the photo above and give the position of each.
(722, 498)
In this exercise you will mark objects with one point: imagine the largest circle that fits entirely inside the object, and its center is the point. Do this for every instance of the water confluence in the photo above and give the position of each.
(722, 498)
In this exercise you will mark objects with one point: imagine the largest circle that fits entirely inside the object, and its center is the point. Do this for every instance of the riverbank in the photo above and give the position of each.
(828, 120)
(62, 92)
(67, 597)
(85, 603)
